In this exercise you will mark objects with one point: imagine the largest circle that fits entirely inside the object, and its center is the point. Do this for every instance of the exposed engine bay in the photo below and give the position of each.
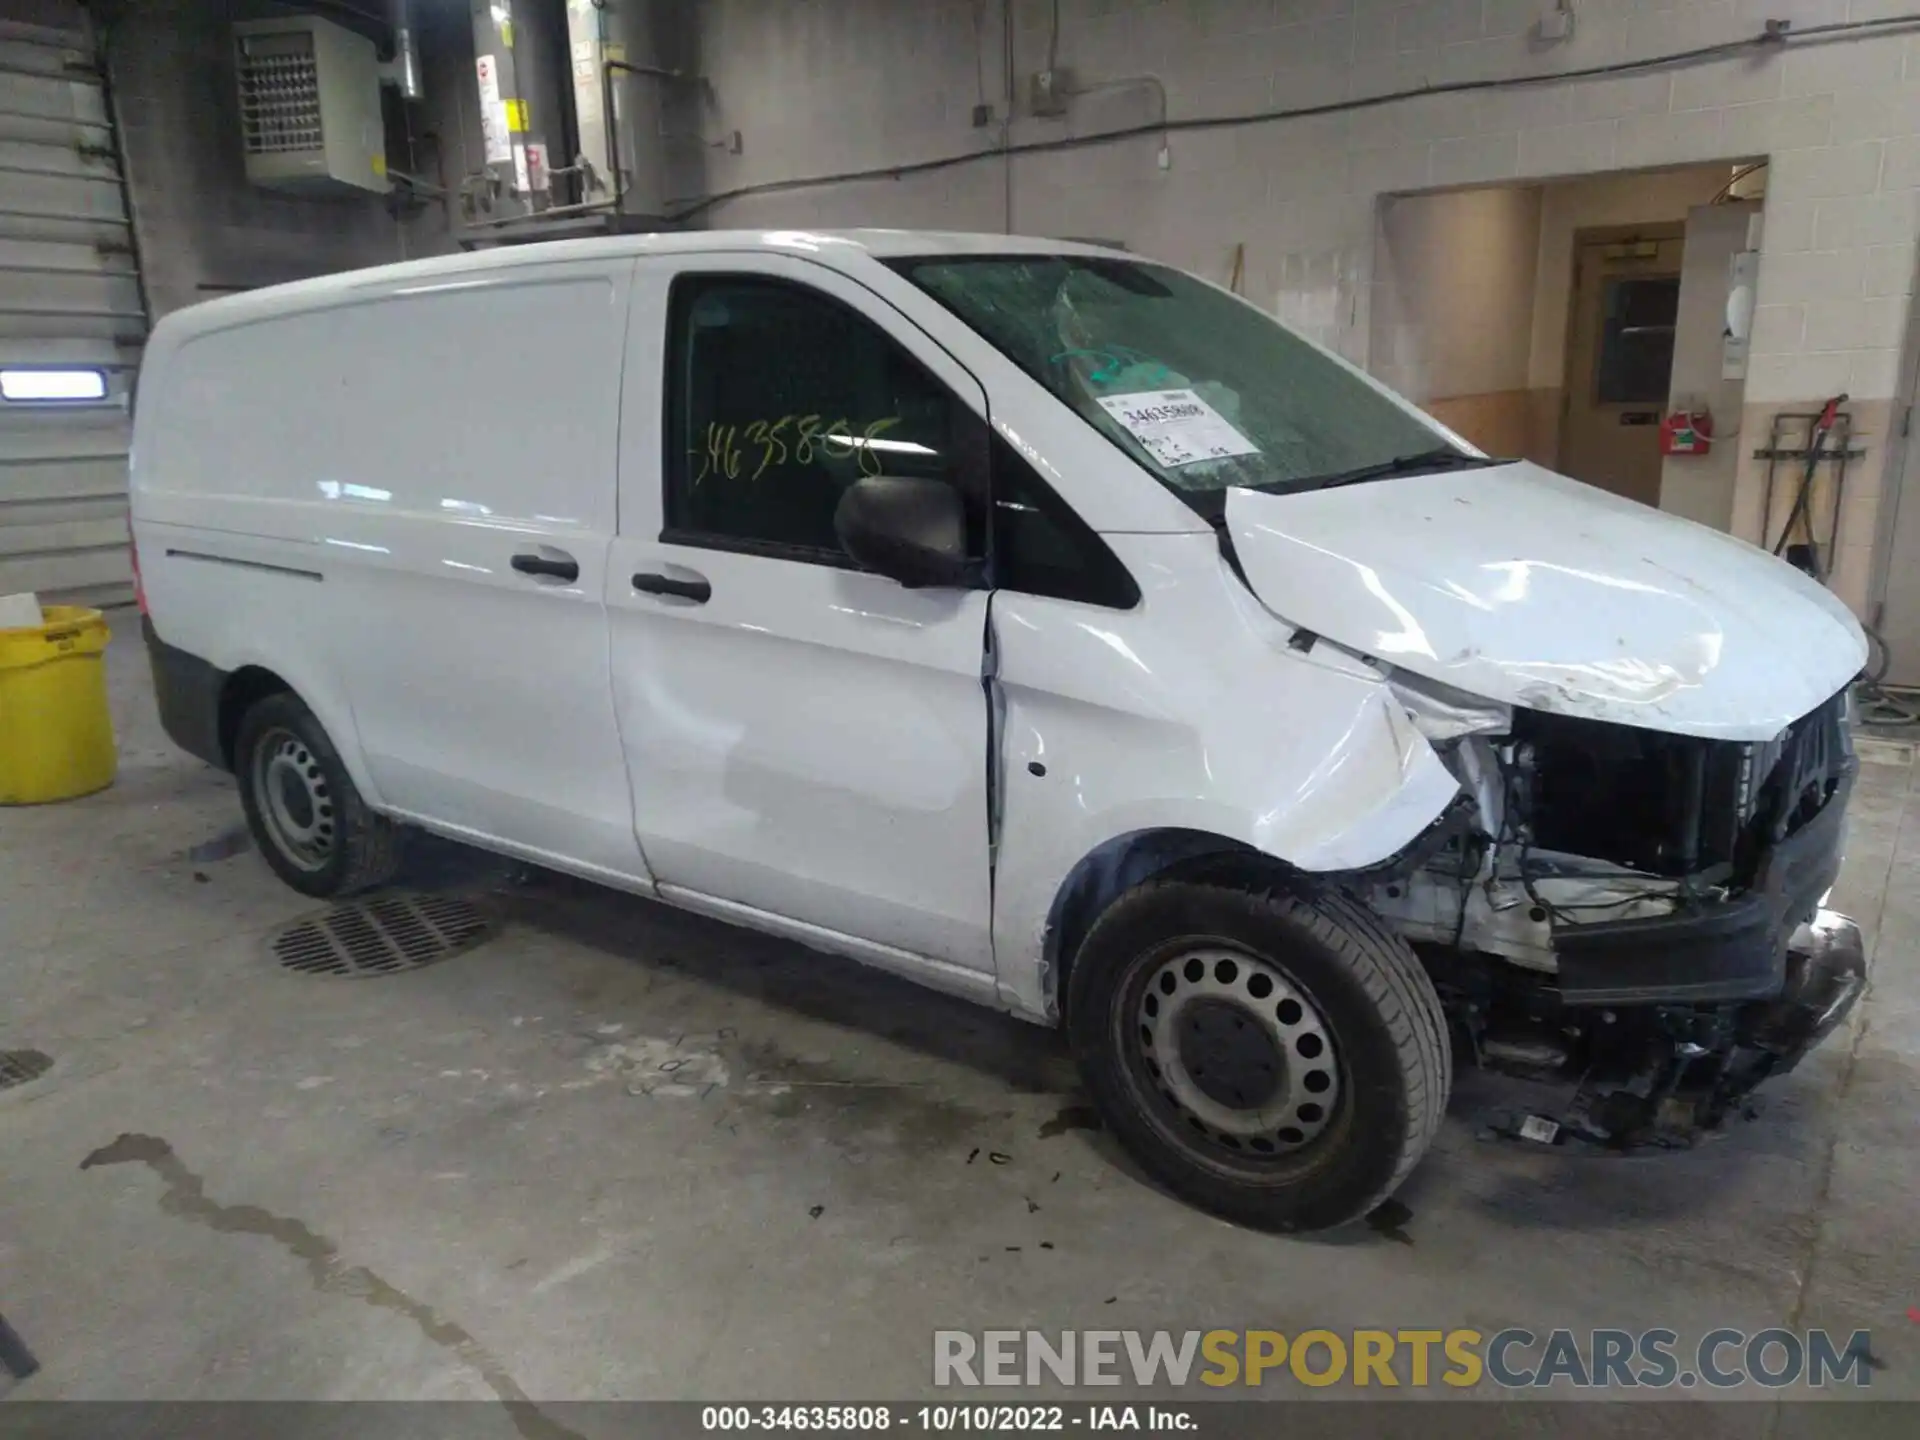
(1634, 912)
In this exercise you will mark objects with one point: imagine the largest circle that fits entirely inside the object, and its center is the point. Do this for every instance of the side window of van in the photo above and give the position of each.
(778, 398)
(1041, 547)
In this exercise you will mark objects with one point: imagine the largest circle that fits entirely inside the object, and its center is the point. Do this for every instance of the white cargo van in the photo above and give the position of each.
(1041, 623)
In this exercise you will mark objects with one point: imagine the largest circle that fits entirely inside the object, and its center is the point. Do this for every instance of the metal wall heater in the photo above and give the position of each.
(310, 107)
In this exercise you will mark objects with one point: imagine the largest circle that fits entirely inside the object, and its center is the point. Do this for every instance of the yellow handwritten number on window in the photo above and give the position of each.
(720, 452)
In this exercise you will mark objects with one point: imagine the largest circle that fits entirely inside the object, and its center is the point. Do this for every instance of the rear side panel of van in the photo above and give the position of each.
(389, 491)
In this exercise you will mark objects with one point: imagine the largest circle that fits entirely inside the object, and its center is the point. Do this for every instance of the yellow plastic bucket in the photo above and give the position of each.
(56, 732)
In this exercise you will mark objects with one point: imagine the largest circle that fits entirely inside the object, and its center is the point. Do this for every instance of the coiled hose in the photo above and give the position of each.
(1875, 703)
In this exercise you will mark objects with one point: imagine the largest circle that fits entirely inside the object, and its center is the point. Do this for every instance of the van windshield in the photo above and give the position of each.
(1205, 391)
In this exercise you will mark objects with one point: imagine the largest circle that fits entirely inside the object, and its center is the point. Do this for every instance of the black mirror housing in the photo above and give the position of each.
(909, 528)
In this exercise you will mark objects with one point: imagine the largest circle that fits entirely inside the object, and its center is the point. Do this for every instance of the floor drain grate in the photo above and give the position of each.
(381, 935)
(22, 1067)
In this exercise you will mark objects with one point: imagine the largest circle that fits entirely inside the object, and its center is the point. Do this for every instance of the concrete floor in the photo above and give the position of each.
(465, 1181)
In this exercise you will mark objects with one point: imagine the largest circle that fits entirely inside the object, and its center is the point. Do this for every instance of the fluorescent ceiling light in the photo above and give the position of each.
(53, 385)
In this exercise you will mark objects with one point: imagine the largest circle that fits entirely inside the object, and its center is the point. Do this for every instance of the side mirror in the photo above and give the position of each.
(908, 528)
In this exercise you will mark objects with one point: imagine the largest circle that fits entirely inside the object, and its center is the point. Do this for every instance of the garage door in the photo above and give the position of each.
(71, 323)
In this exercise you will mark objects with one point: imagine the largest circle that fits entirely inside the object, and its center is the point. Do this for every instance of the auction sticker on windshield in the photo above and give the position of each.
(1177, 427)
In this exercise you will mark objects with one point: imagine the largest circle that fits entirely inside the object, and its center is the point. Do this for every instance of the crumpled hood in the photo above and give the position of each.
(1522, 586)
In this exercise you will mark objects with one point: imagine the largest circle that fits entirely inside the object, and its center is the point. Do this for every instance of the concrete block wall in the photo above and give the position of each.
(203, 230)
(816, 89)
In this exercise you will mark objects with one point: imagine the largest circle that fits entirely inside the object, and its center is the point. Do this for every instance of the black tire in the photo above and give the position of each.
(282, 750)
(1358, 997)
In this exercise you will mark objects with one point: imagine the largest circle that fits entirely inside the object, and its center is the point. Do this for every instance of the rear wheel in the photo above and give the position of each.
(1279, 1059)
(305, 813)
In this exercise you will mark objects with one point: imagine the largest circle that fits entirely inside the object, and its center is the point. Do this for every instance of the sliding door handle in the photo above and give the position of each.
(550, 567)
(696, 589)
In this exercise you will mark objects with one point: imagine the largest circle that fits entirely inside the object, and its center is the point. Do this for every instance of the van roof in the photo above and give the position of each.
(834, 247)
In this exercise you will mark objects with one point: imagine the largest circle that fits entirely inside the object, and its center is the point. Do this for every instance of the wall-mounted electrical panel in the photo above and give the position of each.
(309, 106)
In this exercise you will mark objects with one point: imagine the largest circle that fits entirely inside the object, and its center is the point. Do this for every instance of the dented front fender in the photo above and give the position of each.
(1199, 712)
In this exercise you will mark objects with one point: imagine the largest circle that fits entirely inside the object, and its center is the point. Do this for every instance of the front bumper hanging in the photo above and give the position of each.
(1693, 1065)
(1731, 950)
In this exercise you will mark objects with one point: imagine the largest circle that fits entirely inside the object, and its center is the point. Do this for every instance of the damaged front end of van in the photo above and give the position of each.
(1638, 912)
(1650, 728)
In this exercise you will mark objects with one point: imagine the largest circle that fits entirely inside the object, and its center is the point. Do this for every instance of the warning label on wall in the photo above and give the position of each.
(493, 112)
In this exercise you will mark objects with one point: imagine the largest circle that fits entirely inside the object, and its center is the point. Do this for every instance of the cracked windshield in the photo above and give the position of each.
(1204, 390)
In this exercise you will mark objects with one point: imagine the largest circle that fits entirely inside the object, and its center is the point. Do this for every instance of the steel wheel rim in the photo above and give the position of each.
(294, 800)
(1202, 1023)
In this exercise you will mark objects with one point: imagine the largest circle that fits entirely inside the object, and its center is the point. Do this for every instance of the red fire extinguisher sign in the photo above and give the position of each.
(1686, 432)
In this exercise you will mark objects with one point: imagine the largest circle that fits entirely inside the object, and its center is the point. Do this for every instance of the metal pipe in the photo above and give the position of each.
(612, 124)
(406, 54)
(533, 217)
(414, 182)
(1006, 119)
(653, 70)
(612, 127)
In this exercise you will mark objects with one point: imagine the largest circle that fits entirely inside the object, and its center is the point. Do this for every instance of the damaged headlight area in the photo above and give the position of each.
(1635, 909)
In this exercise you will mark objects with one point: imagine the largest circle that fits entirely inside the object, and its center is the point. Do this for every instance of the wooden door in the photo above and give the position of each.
(1626, 295)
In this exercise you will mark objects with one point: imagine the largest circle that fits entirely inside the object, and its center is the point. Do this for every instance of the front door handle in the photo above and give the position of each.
(553, 567)
(696, 589)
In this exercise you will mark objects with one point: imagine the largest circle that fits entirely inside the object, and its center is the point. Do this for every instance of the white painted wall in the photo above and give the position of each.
(1701, 487)
(1453, 292)
(818, 88)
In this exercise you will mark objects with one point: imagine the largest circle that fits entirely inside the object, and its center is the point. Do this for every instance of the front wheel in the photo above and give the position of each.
(1278, 1059)
(306, 815)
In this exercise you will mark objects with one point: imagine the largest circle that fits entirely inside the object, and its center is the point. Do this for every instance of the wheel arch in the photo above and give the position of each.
(254, 679)
(243, 689)
(1117, 866)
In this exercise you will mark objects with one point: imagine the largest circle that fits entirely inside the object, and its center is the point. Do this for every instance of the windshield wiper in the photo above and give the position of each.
(1441, 457)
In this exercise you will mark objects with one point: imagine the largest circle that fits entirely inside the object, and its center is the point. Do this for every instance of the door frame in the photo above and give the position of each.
(643, 477)
(1658, 231)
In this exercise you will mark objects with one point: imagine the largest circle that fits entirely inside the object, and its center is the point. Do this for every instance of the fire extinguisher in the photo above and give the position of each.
(1687, 432)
